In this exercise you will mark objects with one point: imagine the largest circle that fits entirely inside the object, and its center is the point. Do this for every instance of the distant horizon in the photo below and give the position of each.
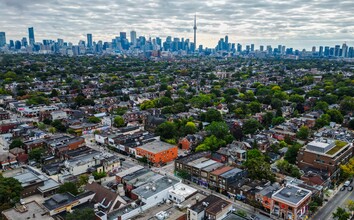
(257, 42)
(298, 24)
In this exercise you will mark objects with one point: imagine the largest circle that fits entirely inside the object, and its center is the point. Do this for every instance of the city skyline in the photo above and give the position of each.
(291, 23)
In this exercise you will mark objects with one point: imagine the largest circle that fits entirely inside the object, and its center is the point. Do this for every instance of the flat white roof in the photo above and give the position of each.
(182, 189)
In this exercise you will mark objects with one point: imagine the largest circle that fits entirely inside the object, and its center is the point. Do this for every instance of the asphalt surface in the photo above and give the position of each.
(338, 200)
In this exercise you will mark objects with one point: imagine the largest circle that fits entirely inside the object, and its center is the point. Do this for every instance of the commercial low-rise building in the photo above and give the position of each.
(325, 155)
(158, 152)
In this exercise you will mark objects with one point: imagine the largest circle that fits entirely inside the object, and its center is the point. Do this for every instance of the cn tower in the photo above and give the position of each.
(195, 32)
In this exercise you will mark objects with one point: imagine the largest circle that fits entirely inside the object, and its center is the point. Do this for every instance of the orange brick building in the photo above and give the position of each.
(158, 152)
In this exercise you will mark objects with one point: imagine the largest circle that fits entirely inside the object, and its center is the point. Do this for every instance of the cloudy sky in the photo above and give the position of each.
(295, 23)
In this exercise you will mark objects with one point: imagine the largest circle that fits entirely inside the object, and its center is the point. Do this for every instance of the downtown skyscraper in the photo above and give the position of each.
(2, 39)
(195, 32)
(31, 36)
(89, 40)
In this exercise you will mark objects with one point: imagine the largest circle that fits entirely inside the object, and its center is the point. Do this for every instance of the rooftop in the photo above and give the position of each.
(129, 171)
(338, 147)
(222, 170)
(292, 194)
(204, 164)
(29, 177)
(212, 167)
(149, 189)
(31, 210)
(183, 190)
(212, 204)
(156, 146)
(192, 157)
(231, 173)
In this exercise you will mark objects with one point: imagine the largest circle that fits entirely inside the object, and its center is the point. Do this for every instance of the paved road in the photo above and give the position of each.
(338, 200)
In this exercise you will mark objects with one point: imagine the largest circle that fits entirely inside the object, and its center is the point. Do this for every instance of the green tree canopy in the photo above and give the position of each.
(303, 133)
(16, 143)
(257, 166)
(118, 121)
(341, 214)
(251, 126)
(213, 115)
(68, 187)
(336, 116)
(218, 129)
(10, 191)
(211, 143)
(81, 214)
(291, 154)
(36, 154)
(167, 130)
(94, 120)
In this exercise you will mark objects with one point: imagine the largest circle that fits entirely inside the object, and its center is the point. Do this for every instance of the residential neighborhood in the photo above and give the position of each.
(187, 138)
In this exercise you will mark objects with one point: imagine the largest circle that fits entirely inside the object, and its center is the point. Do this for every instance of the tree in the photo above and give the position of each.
(267, 119)
(211, 143)
(297, 98)
(167, 130)
(213, 115)
(190, 128)
(165, 101)
(324, 120)
(341, 214)
(147, 105)
(303, 133)
(291, 154)
(321, 105)
(41, 126)
(335, 115)
(347, 105)
(288, 169)
(251, 126)
(349, 167)
(99, 175)
(10, 192)
(118, 121)
(94, 120)
(68, 187)
(52, 130)
(16, 143)
(278, 120)
(58, 125)
(255, 107)
(351, 124)
(184, 174)
(36, 154)
(81, 214)
(350, 205)
(276, 103)
(201, 101)
(54, 93)
(257, 167)
(218, 129)
(83, 180)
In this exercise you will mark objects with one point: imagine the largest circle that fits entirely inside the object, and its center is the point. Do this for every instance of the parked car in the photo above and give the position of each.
(347, 183)
(343, 188)
(350, 188)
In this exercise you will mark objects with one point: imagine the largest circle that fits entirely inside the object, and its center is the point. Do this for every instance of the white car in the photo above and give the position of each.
(347, 183)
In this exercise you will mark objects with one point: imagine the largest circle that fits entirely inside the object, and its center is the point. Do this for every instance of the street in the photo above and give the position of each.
(338, 200)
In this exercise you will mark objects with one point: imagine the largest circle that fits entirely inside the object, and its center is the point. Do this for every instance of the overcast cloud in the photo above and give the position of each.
(297, 23)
